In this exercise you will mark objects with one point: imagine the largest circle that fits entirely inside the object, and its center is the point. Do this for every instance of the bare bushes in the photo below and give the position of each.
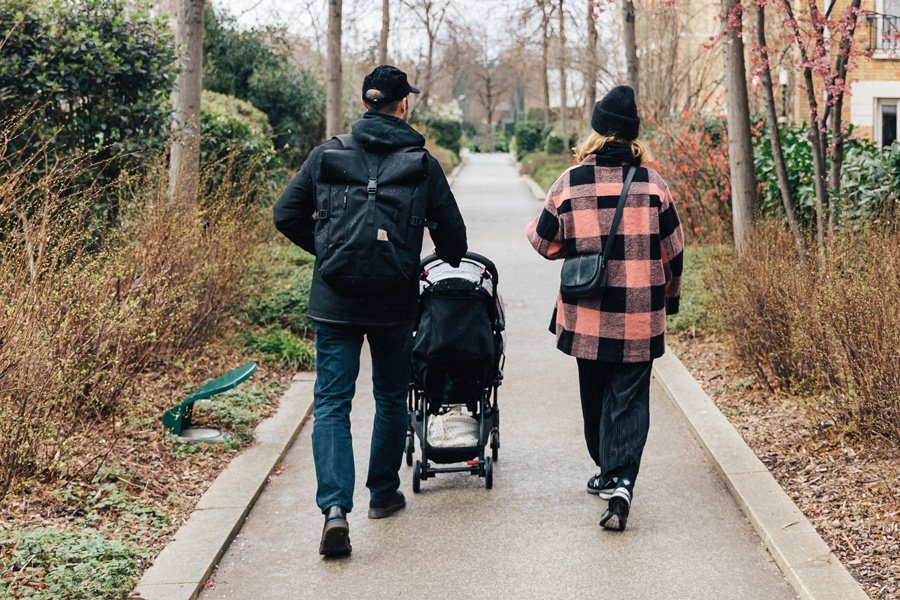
(828, 330)
(84, 309)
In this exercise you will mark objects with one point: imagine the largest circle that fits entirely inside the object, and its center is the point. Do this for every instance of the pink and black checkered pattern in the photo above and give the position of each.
(628, 322)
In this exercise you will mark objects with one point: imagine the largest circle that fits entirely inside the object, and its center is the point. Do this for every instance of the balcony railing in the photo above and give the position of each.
(883, 33)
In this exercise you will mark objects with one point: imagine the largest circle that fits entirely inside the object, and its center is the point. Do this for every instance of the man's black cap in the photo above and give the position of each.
(386, 84)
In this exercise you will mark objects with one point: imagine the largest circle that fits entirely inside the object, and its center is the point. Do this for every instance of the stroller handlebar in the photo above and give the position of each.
(471, 257)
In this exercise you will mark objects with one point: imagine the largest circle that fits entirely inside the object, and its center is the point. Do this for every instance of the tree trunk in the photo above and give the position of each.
(837, 100)
(385, 29)
(591, 74)
(184, 160)
(629, 38)
(334, 118)
(740, 151)
(545, 64)
(563, 97)
(784, 185)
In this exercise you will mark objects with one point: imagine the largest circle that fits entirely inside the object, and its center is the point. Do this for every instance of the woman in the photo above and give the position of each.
(615, 334)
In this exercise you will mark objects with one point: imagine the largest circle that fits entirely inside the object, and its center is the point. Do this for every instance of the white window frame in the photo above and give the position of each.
(879, 102)
(881, 52)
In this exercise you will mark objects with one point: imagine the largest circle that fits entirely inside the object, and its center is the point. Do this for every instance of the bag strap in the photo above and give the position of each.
(351, 143)
(619, 207)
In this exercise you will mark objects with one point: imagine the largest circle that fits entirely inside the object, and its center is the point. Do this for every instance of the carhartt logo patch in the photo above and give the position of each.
(382, 235)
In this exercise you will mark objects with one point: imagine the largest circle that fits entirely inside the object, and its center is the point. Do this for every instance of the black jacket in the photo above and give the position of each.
(294, 218)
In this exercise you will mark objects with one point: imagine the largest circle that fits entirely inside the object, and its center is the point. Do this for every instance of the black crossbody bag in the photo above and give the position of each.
(585, 274)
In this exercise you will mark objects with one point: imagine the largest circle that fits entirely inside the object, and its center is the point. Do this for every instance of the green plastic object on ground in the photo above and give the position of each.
(178, 418)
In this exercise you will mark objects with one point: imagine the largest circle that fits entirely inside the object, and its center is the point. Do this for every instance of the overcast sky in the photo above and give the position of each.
(362, 19)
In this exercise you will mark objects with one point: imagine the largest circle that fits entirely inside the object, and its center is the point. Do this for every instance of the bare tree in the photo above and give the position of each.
(740, 151)
(334, 118)
(675, 74)
(784, 186)
(544, 10)
(184, 160)
(629, 39)
(563, 85)
(430, 13)
(591, 66)
(385, 29)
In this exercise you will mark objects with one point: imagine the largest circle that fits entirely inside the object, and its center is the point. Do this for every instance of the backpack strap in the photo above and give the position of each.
(351, 143)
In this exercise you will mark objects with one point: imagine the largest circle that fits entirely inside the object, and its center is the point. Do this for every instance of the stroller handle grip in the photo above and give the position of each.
(472, 257)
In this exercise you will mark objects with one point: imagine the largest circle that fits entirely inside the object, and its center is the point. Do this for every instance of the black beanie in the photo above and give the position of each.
(616, 114)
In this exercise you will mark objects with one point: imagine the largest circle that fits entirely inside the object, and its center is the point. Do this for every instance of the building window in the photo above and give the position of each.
(884, 27)
(887, 121)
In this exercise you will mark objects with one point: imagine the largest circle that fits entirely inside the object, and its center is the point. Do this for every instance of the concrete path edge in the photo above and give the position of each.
(181, 569)
(807, 562)
(536, 190)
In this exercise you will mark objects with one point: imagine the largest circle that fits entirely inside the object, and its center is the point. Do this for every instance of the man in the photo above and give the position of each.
(360, 203)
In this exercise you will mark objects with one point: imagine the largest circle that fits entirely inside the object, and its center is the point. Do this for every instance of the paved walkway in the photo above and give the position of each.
(535, 535)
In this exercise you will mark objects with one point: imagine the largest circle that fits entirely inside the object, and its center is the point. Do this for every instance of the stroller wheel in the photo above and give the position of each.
(410, 449)
(417, 477)
(495, 445)
(488, 473)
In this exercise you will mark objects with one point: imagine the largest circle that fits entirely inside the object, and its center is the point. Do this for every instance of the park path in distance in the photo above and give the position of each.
(536, 533)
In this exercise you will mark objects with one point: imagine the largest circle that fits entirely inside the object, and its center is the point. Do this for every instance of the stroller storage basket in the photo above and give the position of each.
(457, 358)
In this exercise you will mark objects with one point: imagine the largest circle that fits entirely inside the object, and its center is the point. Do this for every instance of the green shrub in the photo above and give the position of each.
(98, 74)
(257, 65)
(447, 132)
(236, 143)
(285, 303)
(870, 178)
(446, 157)
(529, 137)
(77, 565)
(554, 144)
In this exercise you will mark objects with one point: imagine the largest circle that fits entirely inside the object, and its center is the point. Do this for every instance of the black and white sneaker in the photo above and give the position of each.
(616, 516)
(601, 486)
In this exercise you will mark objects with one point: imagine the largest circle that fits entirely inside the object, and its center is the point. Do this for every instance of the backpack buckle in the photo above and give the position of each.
(416, 221)
(321, 215)
(372, 187)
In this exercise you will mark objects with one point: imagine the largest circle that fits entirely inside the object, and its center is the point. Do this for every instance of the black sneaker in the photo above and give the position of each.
(386, 509)
(616, 516)
(336, 533)
(601, 486)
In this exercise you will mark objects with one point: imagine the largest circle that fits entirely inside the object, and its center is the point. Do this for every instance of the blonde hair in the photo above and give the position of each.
(595, 142)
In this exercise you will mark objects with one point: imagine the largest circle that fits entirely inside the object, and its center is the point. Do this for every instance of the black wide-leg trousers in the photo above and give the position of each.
(615, 402)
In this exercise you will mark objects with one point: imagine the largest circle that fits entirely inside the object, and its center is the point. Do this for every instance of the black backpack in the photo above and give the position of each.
(370, 218)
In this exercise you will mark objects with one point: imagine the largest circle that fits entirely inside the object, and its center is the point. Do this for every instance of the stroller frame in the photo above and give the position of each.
(487, 407)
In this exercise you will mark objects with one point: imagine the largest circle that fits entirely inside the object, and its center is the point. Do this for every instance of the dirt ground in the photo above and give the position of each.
(849, 487)
(136, 482)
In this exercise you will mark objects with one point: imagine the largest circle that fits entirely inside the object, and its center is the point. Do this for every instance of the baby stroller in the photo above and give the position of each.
(457, 368)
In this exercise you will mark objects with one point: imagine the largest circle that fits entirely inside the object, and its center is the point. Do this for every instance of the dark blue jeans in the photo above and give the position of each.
(337, 367)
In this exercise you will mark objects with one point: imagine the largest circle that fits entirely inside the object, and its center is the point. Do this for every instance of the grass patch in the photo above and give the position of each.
(279, 329)
(545, 168)
(237, 410)
(694, 316)
(281, 348)
(48, 564)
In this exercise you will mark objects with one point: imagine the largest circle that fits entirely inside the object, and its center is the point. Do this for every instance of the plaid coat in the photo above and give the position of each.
(628, 322)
